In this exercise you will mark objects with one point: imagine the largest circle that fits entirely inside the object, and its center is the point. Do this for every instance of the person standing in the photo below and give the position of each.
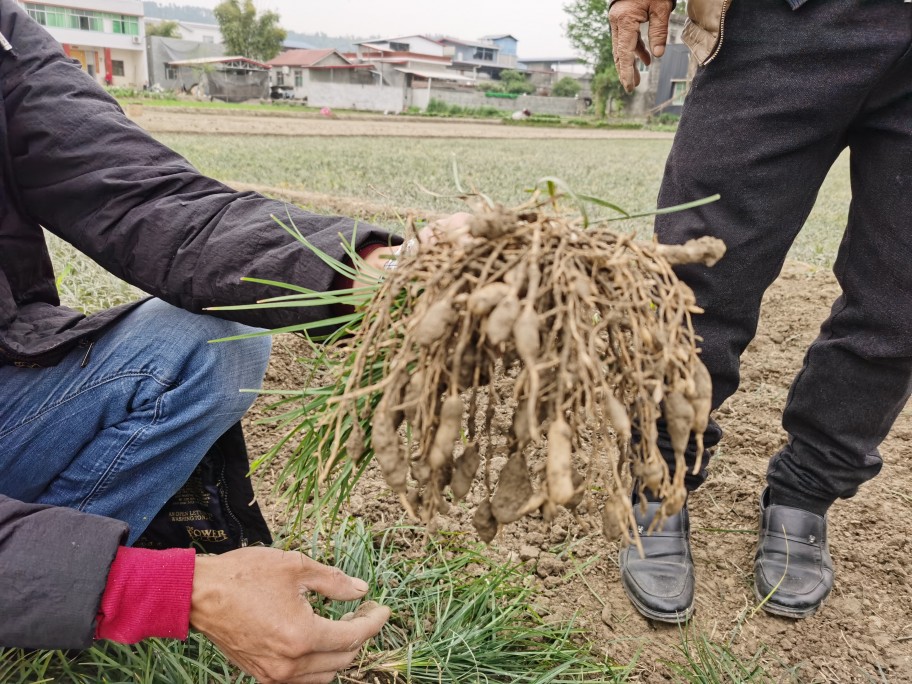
(784, 87)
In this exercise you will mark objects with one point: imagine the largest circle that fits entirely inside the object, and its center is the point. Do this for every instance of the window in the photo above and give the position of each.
(299, 79)
(280, 79)
(484, 54)
(400, 47)
(679, 92)
(171, 73)
(128, 26)
(82, 20)
(38, 13)
(117, 67)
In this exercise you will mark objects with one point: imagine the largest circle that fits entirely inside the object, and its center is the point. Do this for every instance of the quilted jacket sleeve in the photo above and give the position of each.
(90, 175)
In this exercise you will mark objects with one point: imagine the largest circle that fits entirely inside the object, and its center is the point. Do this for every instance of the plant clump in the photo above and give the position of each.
(579, 332)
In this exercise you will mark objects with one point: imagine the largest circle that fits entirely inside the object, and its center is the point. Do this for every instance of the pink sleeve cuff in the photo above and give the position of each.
(147, 595)
(341, 282)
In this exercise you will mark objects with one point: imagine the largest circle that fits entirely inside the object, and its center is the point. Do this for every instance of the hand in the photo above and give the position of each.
(455, 226)
(252, 604)
(625, 18)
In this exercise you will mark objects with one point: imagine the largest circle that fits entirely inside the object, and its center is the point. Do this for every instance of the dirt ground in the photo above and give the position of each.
(168, 120)
(864, 631)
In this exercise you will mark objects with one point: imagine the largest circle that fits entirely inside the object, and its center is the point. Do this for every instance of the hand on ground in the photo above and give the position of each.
(253, 604)
(625, 18)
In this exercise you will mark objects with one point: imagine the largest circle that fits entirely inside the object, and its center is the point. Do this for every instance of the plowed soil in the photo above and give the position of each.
(241, 122)
(864, 631)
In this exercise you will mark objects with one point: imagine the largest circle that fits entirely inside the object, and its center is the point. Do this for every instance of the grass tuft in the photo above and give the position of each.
(457, 617)
(709, 662)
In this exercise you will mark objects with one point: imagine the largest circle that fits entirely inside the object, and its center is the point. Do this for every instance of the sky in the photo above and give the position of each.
(539, 31)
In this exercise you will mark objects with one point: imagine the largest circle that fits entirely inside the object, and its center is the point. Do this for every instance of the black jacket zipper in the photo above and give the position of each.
(223, 491)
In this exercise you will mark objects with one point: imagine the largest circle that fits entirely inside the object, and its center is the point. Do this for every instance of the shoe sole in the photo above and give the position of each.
(677, 618)
(781, 611)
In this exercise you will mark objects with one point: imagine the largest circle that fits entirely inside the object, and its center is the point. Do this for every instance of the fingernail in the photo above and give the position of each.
(359, 584)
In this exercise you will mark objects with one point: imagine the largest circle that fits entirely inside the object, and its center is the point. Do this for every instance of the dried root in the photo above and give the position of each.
(589, 328)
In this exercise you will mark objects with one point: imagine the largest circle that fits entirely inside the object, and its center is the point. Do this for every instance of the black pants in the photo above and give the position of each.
(762, 125)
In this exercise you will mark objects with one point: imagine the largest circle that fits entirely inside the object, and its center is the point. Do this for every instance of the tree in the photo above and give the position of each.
(516, 82)
(566, 87)
(164, 29)
(589, 32)
(247, 34)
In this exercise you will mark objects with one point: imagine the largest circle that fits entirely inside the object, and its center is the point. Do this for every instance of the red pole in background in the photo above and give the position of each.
(66, 49)
(109, 67)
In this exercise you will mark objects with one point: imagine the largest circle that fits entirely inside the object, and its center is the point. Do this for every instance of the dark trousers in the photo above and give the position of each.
(762, 125)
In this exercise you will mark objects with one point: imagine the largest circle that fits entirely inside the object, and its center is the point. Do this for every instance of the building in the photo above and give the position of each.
(230, 79)
(414, 45)
(664, 83)
(426, 61)
(305, 72)
(545, 72)
(107, 37)
(507, 44)
(468, 61)
(200, 33)
(486, 57)
(191, 30)
(163, 53)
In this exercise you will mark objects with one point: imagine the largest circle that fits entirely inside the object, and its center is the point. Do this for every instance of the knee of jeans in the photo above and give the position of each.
(239, 365)
(223, 370)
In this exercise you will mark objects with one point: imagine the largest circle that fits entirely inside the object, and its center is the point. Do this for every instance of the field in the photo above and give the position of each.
(373, 169)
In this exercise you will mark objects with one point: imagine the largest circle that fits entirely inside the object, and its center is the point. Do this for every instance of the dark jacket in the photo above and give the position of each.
(72, 162)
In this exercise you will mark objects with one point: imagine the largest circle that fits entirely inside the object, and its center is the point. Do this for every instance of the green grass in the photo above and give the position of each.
(457, 617)
(166, 101)
(83, 284)
(627, 172)
(707, 662)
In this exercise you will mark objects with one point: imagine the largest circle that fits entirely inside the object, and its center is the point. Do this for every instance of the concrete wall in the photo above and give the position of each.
(563, 106)
(397, 98)
(135, 71)
(372, 98)
(421, 98)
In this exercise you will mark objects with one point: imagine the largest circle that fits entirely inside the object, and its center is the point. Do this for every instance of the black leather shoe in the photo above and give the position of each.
(792, 567)
(661, 584)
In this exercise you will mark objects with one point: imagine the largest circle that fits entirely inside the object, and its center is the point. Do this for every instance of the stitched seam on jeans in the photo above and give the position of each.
(82, 391)
(99, 487)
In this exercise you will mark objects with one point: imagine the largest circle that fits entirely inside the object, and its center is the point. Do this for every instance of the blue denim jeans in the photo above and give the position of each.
(118, 431)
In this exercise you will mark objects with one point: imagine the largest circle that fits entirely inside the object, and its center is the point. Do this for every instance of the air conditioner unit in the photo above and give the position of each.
(137, 40)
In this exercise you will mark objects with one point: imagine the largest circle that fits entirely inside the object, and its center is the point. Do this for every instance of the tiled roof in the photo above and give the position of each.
(301, 58)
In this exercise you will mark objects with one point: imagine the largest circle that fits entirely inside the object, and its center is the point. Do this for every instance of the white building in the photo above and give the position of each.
(106, 36)
(416, 45)
(192, 30)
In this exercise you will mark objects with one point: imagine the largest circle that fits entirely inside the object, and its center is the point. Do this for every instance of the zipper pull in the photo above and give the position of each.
(6, 47)
(88, 356)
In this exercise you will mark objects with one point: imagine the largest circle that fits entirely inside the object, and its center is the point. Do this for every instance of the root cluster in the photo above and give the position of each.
(582, 333)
